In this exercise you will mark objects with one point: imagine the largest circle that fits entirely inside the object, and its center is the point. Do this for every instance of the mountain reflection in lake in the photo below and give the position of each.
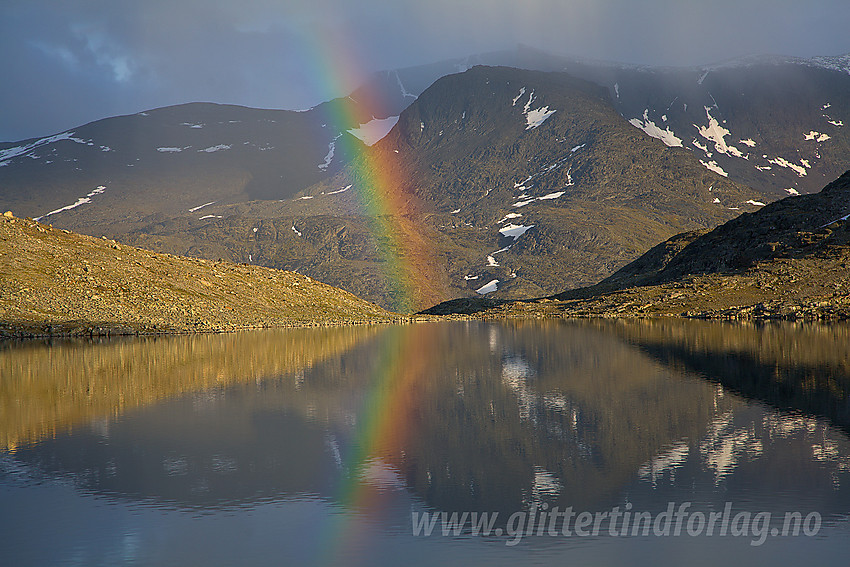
(313, 447)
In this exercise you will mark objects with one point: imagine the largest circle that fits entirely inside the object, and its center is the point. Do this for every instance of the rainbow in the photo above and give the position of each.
(385, 425)
(408, 262)
(380, 184)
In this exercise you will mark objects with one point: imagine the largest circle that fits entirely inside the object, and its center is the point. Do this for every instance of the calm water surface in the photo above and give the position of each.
(330, 446)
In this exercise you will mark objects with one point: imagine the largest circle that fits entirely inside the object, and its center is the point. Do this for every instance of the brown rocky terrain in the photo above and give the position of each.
(56, 282)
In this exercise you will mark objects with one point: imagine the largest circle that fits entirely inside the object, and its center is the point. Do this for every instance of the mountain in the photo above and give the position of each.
(166, 161)
(766, 121)
(58, 282)
(772, 123)
(776, 123)
(789, 260)
(505, 181)
(292, 190)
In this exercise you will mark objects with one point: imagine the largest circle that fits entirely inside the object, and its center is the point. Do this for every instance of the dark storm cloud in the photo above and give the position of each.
(70, 62)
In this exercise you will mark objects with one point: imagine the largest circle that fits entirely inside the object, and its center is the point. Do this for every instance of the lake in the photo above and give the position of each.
(473, 443)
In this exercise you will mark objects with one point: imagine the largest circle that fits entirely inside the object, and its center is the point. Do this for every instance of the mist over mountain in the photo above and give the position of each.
(82, 60)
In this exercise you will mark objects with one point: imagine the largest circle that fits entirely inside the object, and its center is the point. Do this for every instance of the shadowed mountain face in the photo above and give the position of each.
(165, 162)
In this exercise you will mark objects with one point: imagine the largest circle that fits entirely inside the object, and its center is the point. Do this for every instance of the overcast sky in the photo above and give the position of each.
(68, 62)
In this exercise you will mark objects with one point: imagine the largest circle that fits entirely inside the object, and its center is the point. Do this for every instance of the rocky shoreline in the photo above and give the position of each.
(84, 329)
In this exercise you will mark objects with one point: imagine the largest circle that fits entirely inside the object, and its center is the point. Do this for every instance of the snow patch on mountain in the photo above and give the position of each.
(514, 230)
(716, 133)
(816, 136)
(217, 148)
(782, 162)
(840, 63)
(517, 97)
(343, 190)
(491, 261)
(538, 116)
(375, 130)
(792, 191)
(199, 207)
(844, 218)
(81, 201)
(756, 203)
(702, 147)
(534, 117)
(549, 196)
(712, 166)
(836, 122)
(403, 90)
(296, 231)
(748, 142)
(489, 287)
(330, 155)
(16, 151)
(510, 216)
(650, 128)
(191, 125)
(209, 217)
